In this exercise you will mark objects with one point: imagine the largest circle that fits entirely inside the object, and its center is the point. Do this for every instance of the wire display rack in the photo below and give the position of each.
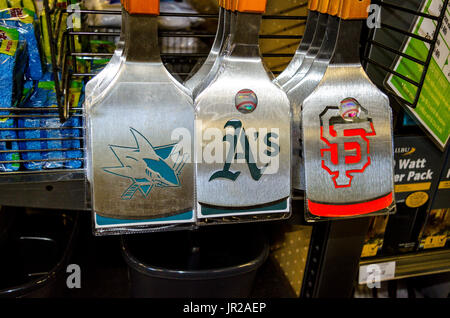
(391, 44)
(64, 55)
(66, 187)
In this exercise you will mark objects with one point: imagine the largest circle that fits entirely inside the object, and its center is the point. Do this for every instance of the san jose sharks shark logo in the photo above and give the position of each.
(148, 166)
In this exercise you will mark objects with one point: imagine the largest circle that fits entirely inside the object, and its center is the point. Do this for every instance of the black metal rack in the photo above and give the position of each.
(51, 184)
(335, 246)
(389, 46)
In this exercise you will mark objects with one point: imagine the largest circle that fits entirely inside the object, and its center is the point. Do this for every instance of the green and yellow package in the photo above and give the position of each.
(22, 19)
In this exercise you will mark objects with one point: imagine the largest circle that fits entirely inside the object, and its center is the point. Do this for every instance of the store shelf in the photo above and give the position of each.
(416, 264)
(52, 189)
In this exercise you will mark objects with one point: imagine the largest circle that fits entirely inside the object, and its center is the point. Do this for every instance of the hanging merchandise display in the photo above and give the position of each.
(303, 83)
(139, 136)
(347, 133)
(243, 124)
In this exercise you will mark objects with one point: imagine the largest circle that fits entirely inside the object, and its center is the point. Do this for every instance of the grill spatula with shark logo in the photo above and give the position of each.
(243, 125)
(300, 53)
(347, 133)
(139, 132)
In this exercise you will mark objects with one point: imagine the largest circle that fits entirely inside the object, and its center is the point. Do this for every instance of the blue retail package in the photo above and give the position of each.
(12, 66)
(59, 142)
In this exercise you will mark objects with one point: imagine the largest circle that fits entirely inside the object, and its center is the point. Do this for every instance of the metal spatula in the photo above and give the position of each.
(99, 82)
(139, 132)
(229, 23)
(314, 48)
(300, 87)
(199, 76)
(300, 53)
(243, 131)
(347, 133)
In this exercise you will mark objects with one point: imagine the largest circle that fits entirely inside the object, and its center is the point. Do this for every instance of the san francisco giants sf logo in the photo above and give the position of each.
(344, 133)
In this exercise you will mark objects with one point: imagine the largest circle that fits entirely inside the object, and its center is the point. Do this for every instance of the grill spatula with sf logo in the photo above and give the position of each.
(243, 128)
(347, 133)
(139, 132)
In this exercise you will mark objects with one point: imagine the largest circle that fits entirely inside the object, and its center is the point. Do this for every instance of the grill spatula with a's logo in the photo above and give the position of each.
(243, 125)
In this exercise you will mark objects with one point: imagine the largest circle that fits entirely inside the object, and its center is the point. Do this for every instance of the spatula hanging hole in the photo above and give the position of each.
(349, 109)
(246, 101)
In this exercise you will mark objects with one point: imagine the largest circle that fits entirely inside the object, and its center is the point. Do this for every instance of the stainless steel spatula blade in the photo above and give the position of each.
(243, 134)
(228, 31)
(302, 49)
(200, 75)
(347, 133)
(301, 90)
(138, 133)
(99, 82)
(311, 53)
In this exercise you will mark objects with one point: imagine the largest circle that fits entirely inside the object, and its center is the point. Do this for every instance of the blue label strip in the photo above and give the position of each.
(102, 221)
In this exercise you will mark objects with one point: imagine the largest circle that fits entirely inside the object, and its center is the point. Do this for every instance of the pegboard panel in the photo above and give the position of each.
(290, 251)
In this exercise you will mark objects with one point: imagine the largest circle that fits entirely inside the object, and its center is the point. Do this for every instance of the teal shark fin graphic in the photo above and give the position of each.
(147, 166)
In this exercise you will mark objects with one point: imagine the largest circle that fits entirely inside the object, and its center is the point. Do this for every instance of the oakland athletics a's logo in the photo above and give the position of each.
(241, 149)
(147, 166)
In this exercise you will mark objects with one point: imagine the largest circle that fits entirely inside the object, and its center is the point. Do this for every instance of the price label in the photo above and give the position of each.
(372, 273)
